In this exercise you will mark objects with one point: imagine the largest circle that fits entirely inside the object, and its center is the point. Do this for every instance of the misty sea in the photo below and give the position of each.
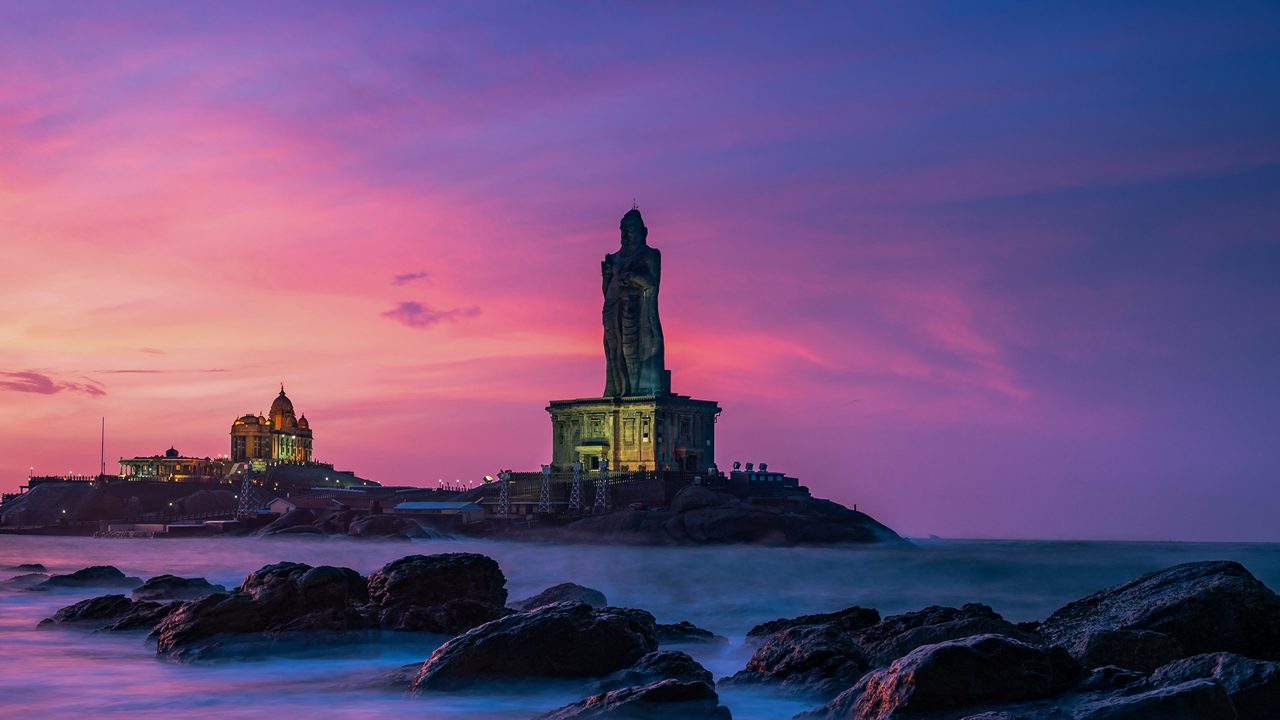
(72, 673)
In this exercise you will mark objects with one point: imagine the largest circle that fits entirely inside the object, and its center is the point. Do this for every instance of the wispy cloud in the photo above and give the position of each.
(30, 381)
(416, 315)
(407, 278)
(151, 351)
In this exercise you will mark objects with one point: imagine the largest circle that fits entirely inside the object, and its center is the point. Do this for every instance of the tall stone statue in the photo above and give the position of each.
(632, 331)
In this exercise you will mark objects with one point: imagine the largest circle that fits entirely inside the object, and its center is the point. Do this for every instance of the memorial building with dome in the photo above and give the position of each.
(280, 435)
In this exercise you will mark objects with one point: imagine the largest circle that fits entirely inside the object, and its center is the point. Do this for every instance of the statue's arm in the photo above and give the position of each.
(650, 272)
(606, 274)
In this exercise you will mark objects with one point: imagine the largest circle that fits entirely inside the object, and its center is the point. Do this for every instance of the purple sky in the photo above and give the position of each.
(1005, 271)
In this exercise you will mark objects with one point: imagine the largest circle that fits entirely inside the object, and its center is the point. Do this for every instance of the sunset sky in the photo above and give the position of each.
(986, 270)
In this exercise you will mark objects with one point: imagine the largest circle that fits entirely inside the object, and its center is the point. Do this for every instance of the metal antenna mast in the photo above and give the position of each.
(504, 497)
(544, 498)
(102, 449)
(602, 485)
(575, 490)
(246, 493)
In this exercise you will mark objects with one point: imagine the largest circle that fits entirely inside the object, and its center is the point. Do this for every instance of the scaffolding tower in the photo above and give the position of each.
(544, 497)
(602, 486)
(504, 495)
(575, 490)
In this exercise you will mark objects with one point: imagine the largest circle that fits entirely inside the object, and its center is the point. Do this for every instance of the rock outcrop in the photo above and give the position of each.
(821, 655)
(564, 640)
(94, 576)
(698, 516)
(1253, 685)
(666, 700)
(97, 609)
(172, 587)
(387, 527)
(956, 674)
(564, 592)
(446, 593)
(849, 619)
(1204, 606)
(655, 667)
(276, 599)
(685, 633)
(295, 518)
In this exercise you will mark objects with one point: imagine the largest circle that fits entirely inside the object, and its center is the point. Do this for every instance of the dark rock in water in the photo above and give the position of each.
(30, 567)
(336, 524)
(399, 679)
(1253, 685)
(297, 517)
(815, 660)
(278, 598)
(851, 618)
(685, 632)
(1142, 650)
(1194, 700)
(298, 530)
(95, 576)
(26, 581)
(822, 658)
(565, 640)
(143, 615)
(1206, 606)
(99, 608)
(447, 593)
(1109, 678)
(655, 667)
(564, 592)
(387, 527)
(699, 515)
(172, 587)
(897, 635)
(956, 674)
(666, 700)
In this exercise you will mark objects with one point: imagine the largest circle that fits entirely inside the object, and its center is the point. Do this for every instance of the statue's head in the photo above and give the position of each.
(634, 232)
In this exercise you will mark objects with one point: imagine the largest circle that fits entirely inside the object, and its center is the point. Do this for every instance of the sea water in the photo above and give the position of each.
(75, 673)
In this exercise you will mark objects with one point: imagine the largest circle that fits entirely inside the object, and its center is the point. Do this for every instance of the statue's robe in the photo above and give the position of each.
(632, 332)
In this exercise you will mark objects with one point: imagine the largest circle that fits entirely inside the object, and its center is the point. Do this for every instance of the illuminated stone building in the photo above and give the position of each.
(280, 435)
(173, 466)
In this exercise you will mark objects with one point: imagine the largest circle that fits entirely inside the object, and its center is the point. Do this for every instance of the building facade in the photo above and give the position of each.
(172, 466)
(655, 432)
(280, 435)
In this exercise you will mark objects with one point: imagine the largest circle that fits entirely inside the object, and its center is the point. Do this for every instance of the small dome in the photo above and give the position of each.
(302, 422)
(282, 405)
(172, 453)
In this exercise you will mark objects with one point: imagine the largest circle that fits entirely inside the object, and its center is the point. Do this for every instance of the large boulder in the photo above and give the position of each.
(25, 581)
(94, 609)
(564, 592)
(1206, 607)
(1193, 700)
(565, 640)
(1254, 685)
(666, 700)
(655, 667)
(93, 576)
(686, 633)
(387, 527)
(447, 593)
(821, 655)
(276, 599)
(1141, 650)
(848, 619)
(172, 587)
(143, 615)
(956, 674)
(297, 517)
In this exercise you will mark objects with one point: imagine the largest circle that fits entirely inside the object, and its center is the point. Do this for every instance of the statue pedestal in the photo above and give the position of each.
(644, 432)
